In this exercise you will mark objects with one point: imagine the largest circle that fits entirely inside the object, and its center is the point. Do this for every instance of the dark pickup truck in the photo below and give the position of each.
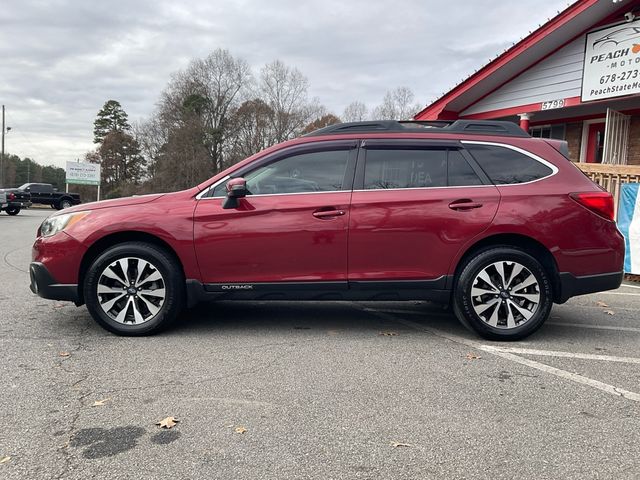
(12, 200)
(45, 194)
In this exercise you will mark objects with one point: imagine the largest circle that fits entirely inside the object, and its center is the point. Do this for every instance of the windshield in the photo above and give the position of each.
(24, 186)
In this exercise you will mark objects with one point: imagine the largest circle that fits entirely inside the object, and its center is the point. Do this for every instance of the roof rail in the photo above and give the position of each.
(482, 127)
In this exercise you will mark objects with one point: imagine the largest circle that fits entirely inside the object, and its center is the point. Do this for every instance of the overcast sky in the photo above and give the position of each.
(61, 60)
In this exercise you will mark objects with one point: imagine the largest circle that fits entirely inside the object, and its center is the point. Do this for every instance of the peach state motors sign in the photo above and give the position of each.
(612, 62)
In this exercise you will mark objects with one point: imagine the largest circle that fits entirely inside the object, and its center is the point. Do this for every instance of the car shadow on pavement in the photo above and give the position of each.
(275, 316)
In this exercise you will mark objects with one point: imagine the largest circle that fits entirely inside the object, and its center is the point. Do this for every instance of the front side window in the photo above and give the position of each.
(506, 166)
(400, 168)
(306, 172)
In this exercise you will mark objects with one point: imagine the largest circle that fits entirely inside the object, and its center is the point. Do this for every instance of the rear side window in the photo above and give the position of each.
(506, 166)
(417, 168)
(396, 168)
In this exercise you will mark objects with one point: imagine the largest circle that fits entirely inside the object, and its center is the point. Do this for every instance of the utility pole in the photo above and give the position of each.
(2, 155)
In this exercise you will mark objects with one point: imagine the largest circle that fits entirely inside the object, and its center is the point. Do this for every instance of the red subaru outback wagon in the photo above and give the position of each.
(475, 214)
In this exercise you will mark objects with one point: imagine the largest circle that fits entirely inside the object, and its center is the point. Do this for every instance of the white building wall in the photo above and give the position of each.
(556, 77)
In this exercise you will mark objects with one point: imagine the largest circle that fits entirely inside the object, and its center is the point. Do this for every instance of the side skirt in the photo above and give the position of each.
(433, 290)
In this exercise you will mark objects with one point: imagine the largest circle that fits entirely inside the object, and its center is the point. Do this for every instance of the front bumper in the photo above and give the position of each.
(571, 286)
(44, 285)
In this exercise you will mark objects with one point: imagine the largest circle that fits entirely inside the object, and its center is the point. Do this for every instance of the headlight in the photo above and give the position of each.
(57, 223)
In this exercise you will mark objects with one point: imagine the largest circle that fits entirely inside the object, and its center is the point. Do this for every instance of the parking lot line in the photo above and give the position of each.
(595, 327)
(574, 377)
(554, 353)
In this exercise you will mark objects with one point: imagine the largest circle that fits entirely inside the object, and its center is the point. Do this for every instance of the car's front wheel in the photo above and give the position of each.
(13, 210)
(134, 289)
(503, 293)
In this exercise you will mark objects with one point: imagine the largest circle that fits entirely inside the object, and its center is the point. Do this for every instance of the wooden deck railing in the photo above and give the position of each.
(610, 177)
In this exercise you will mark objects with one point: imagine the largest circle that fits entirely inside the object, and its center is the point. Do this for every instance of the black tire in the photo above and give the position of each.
(463, 303)
(13, 210)
(160, 260)
(64, 203)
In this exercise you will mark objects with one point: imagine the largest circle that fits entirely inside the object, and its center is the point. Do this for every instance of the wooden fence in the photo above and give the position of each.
(610, 177)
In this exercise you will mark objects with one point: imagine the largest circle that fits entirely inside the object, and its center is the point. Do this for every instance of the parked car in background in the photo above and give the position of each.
(476, 214)
(12, 200)
(46, 194)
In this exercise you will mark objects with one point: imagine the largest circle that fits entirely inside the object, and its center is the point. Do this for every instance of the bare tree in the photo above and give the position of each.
(285, 91)
(355, 112)
(213, 114)
(183, 161)
(397, 104)
(206, 93)
(151, 137)
(251, 125)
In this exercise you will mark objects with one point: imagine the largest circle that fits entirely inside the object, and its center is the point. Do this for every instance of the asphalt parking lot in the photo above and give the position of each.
(313, 390)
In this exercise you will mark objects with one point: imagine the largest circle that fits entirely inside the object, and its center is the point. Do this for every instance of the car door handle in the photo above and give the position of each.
(464, 204)
(328, 213)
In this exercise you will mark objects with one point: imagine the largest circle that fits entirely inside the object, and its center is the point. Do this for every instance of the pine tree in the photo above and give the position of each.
(111, 118)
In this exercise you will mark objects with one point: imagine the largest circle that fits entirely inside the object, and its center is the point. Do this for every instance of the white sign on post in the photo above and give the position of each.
(612, 62)
(83, 173)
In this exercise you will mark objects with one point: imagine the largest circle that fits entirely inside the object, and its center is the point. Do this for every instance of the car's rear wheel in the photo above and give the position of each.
(503, 293)
(134, 289)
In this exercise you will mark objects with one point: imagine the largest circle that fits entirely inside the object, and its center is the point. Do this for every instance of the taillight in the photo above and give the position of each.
(600, 203)
(12, 196)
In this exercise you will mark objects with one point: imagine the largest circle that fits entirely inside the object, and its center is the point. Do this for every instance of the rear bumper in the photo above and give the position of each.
(571, 286)
(44, 285)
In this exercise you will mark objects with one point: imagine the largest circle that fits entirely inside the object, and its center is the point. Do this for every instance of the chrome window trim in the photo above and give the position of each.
(533, 156)
(213, 185)
(422, 188)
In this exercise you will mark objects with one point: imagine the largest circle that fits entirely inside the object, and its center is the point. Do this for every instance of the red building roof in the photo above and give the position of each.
(567, 26)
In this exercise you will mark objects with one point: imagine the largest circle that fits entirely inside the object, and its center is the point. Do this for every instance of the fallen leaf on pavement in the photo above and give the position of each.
(64, 354)
(398, 444)
(100, 403)
(471, 356)
(240, 429)
(5, 459)
(388, 334)
(168, 422)
(609, 312)
(601, 303)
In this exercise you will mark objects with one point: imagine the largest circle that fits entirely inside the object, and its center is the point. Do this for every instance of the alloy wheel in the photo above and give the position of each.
(131, 290)
(505, 294)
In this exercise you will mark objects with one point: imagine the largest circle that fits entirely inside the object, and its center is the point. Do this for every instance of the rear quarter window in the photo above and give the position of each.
(505, 166)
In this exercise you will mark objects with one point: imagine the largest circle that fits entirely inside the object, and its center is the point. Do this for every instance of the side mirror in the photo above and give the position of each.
(236, 188)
